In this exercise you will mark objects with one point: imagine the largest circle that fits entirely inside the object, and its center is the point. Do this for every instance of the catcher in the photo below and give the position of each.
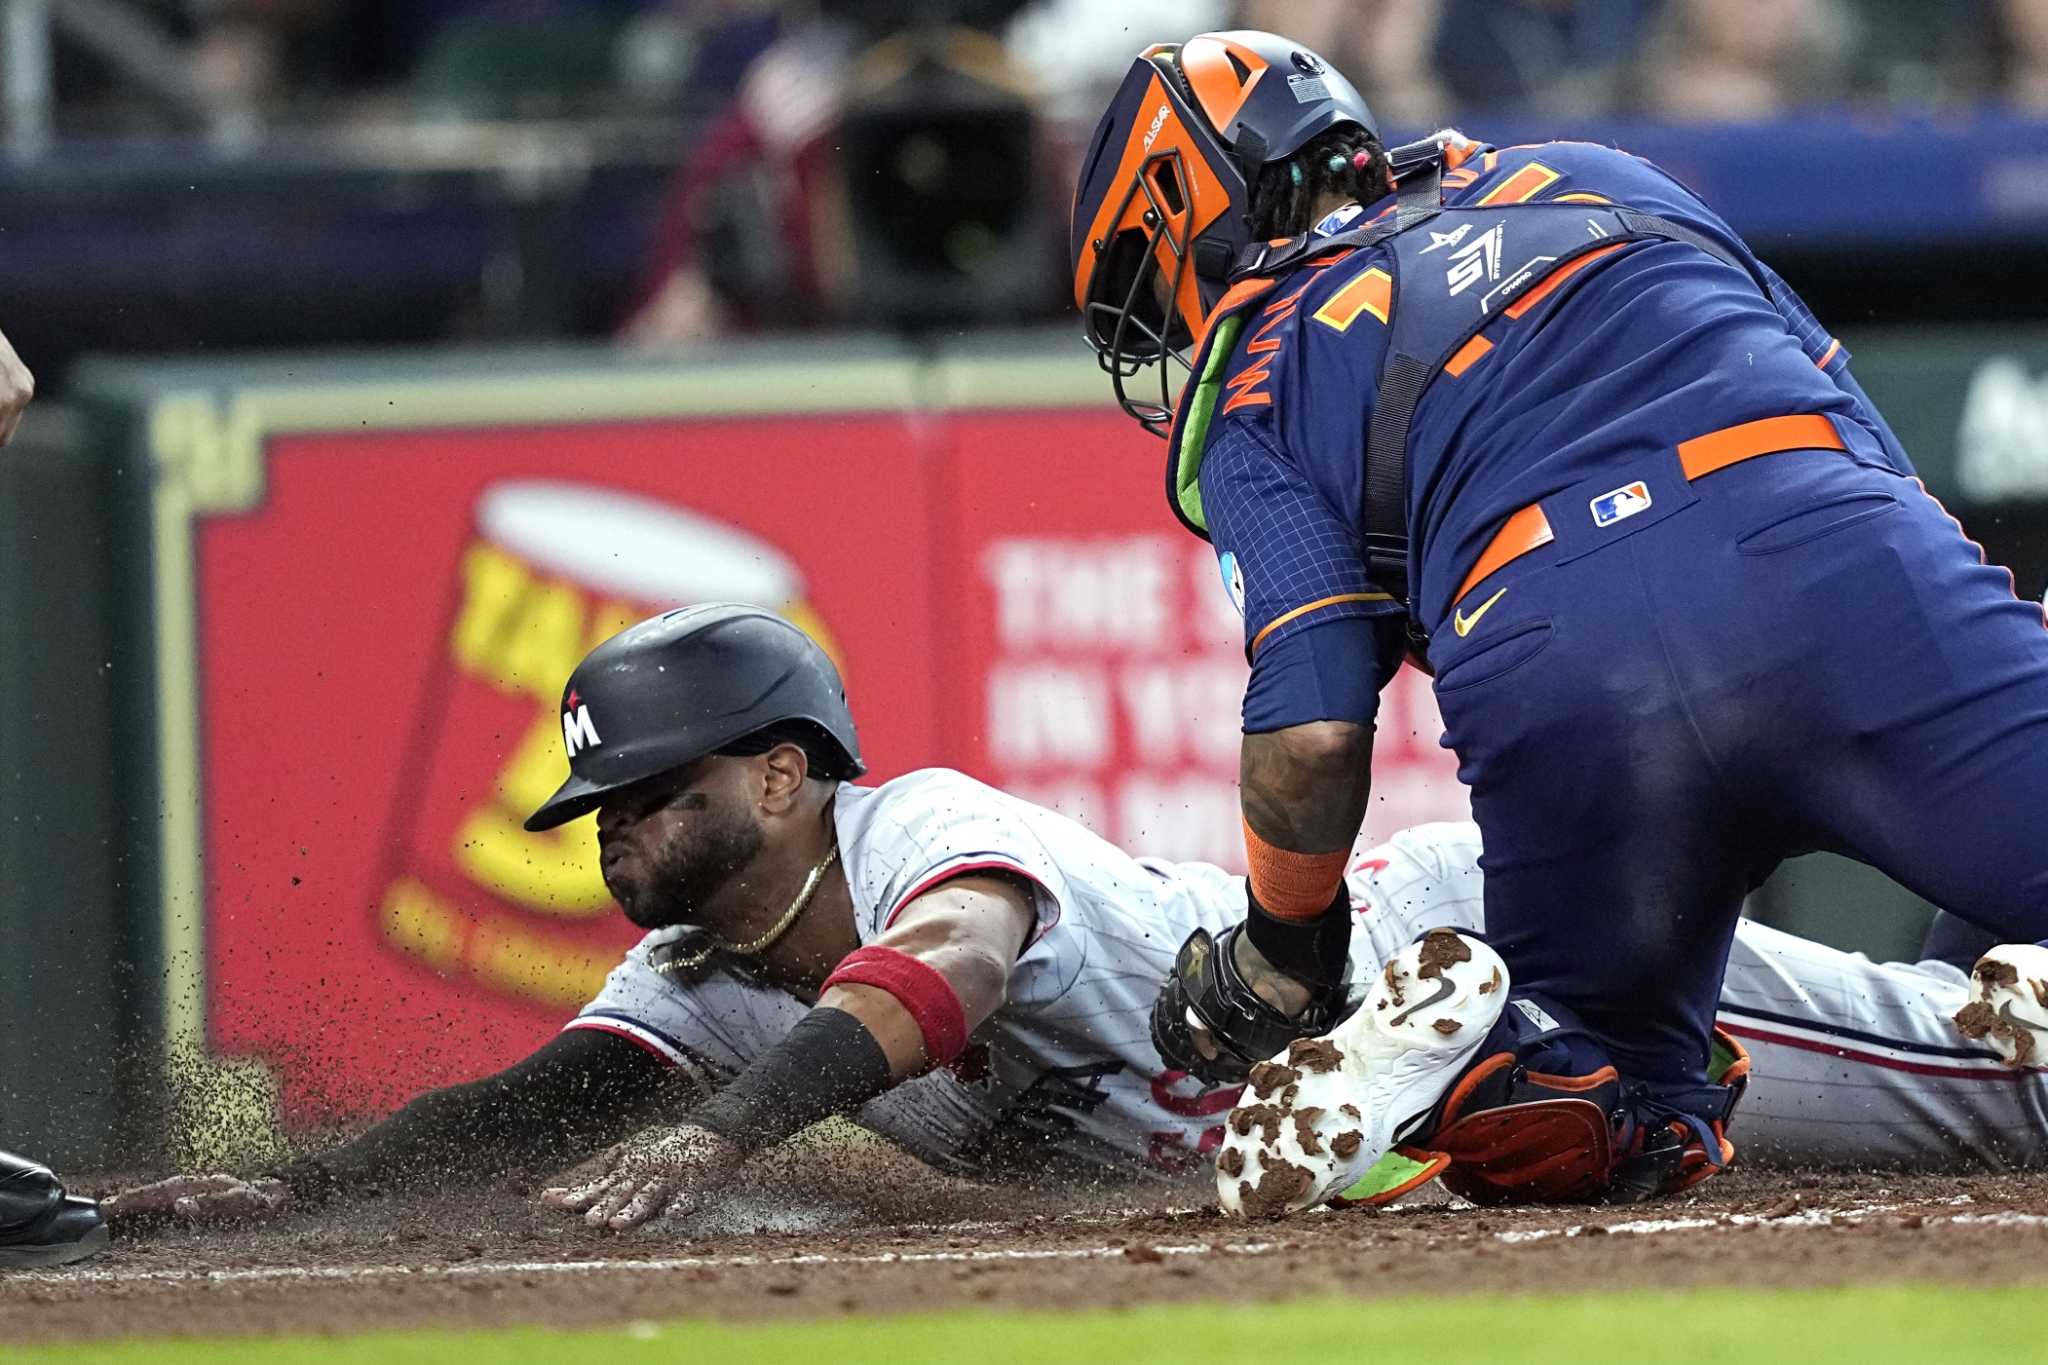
(968, 975)
(1537, 419)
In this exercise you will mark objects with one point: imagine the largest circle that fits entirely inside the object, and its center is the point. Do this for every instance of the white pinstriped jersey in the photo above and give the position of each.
(1856, 1062)
(1064, 1074)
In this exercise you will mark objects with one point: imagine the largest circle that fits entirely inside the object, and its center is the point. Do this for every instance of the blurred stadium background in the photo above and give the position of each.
(392, 353)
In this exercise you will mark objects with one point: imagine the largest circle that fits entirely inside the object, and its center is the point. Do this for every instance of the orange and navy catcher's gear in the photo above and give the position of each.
(1544, 1117)
(1688, 611)
(1161, 209)
(1436, 341)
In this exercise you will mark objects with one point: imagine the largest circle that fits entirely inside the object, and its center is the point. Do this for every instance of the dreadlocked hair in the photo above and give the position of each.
(1287, 192)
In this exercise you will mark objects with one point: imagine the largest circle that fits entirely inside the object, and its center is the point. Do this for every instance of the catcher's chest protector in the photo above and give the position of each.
(1454, 272)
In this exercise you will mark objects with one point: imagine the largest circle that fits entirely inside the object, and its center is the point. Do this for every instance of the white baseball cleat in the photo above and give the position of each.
(2009, 1003)
(1316, 1118)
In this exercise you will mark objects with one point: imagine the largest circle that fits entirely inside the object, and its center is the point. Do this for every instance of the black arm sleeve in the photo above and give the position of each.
(582, 1091)
(828, 1064)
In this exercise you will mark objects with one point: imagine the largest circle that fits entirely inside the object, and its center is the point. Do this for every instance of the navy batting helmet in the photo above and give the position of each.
(692, 682)
(1162, 207)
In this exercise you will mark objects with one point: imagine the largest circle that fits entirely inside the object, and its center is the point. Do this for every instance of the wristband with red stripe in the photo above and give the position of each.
(920, 988)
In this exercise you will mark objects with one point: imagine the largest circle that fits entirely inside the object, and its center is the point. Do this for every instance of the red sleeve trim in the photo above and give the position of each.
(668, 1059)
(947, 874)
(1996, 1073)
(920, 988)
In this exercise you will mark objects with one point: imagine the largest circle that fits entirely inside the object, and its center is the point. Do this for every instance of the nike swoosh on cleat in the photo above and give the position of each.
(2006, 1016)
(1444, 986)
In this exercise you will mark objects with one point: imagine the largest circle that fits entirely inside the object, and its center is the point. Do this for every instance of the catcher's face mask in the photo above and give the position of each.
(1161, 214)
(1159, 217)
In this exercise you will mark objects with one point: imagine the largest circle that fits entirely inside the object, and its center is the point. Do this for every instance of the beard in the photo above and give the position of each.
(689, 868)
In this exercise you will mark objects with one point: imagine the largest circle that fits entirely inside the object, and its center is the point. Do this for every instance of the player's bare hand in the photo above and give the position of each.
(17, 386)
(663, 1171)
(199, 1198)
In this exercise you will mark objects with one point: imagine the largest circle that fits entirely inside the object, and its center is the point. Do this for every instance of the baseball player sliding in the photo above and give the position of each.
(1537, 418)
(970, 975)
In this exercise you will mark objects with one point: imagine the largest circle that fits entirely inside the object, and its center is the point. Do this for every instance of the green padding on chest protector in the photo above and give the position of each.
(1194, 431)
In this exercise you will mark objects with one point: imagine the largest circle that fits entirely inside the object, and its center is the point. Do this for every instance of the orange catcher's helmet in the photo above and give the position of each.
(1162, 208)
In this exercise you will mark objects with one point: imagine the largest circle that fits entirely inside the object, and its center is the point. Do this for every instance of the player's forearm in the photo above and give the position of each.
(1304, 788)
(464, 1132)
(892, 1010)
(909, 1011)
(859, 1043)
(577, 1095)
(829, 1064)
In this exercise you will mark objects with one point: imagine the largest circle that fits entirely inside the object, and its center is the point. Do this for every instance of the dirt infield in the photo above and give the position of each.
(872, 1242)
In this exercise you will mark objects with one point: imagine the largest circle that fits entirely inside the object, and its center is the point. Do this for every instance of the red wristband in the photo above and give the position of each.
(920, 989)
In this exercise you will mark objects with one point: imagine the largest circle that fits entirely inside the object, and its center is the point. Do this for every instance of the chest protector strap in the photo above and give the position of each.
(1449, 284)
(1419, 167)
(1472, 267)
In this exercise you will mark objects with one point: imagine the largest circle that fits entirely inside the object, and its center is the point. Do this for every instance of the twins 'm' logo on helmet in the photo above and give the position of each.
(579, 731)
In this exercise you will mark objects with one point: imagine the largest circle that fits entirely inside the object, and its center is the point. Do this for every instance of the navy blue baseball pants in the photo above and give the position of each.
(1795, 653)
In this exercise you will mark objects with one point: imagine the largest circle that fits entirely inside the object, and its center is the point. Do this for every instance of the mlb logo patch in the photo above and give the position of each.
(1623, 503)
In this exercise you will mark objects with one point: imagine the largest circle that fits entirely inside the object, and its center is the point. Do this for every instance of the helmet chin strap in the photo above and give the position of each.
(683, 962)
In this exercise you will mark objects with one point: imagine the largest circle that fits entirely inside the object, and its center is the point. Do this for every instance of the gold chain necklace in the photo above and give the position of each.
(683, 962)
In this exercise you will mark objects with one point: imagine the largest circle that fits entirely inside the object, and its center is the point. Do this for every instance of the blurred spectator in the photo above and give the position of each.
(1563, 58)
(291, 58)
(240, 54)
(514, 58)
(1917, 53)
(724, 38)
(17, 386)
(742, 206)
(473, 58)
(2020, 52)
(814, 186)
(1744, 60)
(1077, 50)
(1385, 46)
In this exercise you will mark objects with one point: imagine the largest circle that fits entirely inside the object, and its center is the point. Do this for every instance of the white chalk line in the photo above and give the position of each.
(2003, 1220)
(1793, 1218)
(1639, 1227)
(472, 1269)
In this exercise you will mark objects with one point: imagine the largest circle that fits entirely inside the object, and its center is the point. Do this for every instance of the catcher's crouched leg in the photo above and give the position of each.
(1444, 1073)
(1210, 1023)
(1544, 1118)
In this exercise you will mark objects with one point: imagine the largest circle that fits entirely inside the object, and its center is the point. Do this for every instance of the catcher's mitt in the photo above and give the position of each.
(1209, 1022)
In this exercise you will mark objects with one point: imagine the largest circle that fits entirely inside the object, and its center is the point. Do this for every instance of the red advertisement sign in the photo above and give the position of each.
(1110, 661)
(383, 640)
(382, 646)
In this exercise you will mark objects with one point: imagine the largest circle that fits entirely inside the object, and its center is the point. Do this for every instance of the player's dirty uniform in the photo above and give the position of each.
(1854, 1061)
(1687, 609)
